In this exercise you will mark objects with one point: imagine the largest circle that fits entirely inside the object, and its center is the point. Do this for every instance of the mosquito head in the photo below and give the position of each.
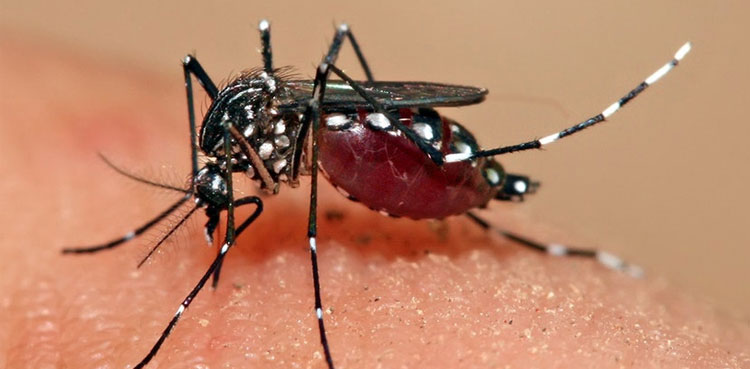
(210, 186)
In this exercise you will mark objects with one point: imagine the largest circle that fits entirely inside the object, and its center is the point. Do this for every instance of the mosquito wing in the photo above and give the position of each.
(392, 95)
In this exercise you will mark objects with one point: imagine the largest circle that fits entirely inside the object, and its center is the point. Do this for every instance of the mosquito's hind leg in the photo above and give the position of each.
(590, 122)
(608, 260)
(229, 241)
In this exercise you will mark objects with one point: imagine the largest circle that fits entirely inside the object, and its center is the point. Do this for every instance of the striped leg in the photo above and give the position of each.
(211, 269)
(229, 241)
(190, 67)
(338, 40)
(536, 144)
(312, 118)
(333, 52)
(608, 260)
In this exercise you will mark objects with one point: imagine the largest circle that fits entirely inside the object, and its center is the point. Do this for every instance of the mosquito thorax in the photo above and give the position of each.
(250, 103)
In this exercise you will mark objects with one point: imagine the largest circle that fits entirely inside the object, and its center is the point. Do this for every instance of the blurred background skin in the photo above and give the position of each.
(663, 184)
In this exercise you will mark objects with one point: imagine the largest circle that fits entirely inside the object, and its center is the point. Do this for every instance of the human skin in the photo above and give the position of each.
(396, 292)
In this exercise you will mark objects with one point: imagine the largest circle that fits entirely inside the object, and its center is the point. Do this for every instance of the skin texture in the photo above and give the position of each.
(397, 293)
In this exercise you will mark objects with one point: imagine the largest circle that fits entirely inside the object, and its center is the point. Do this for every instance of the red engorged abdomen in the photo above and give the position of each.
(389, 173)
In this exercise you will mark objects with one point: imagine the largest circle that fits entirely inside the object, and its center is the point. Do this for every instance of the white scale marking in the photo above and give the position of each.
(313, 246)
(337, 121)
(492, 176)
(520, 186)
(608, 111)
(180, 310)
(451, 158)
(278, 165)
(249, 130)
(557, 249)
(659, 73)
(423, 130)
(683, 51)
(378, 120)
(224, 248)
(265, 150)
(549, 139)
(611, 110)
(129, 236)
(319, 313)
(263, 25)
(280, 127)
(609, 260)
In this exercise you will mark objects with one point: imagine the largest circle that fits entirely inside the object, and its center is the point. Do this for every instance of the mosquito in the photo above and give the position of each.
(380, 143)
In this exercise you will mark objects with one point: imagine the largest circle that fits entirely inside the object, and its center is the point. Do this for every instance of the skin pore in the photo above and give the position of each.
(396, 293)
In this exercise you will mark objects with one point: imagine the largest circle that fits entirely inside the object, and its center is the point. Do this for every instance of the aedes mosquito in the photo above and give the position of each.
(380, 143)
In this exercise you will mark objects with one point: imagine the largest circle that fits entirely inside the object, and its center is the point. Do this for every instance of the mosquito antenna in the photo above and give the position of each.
(139, 178)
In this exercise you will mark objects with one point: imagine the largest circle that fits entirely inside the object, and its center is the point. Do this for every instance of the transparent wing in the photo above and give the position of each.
(339, 95)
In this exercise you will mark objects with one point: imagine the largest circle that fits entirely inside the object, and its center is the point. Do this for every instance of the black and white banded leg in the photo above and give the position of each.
(229, 239)
(343, 30)
(606, 113)
(333, 52)
(607, 259)
(191, 66)
(311, 121)
(312, 118)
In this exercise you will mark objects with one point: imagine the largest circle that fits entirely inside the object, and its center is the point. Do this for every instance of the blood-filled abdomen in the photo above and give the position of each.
(366, 157)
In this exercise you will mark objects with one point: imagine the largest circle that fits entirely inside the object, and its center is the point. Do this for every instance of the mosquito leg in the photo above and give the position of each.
(229, 238)
(333, 52)
(130, 235)
(312, 117)
(211, 269)
(601, 117)
(230, 230)
(265, 39)
(190, 65)
(608, 260)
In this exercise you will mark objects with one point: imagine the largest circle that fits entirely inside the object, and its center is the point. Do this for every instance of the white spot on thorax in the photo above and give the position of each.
(249, 130)
(265, 150)
(281, 141)
(278, 165)
(280, 127)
